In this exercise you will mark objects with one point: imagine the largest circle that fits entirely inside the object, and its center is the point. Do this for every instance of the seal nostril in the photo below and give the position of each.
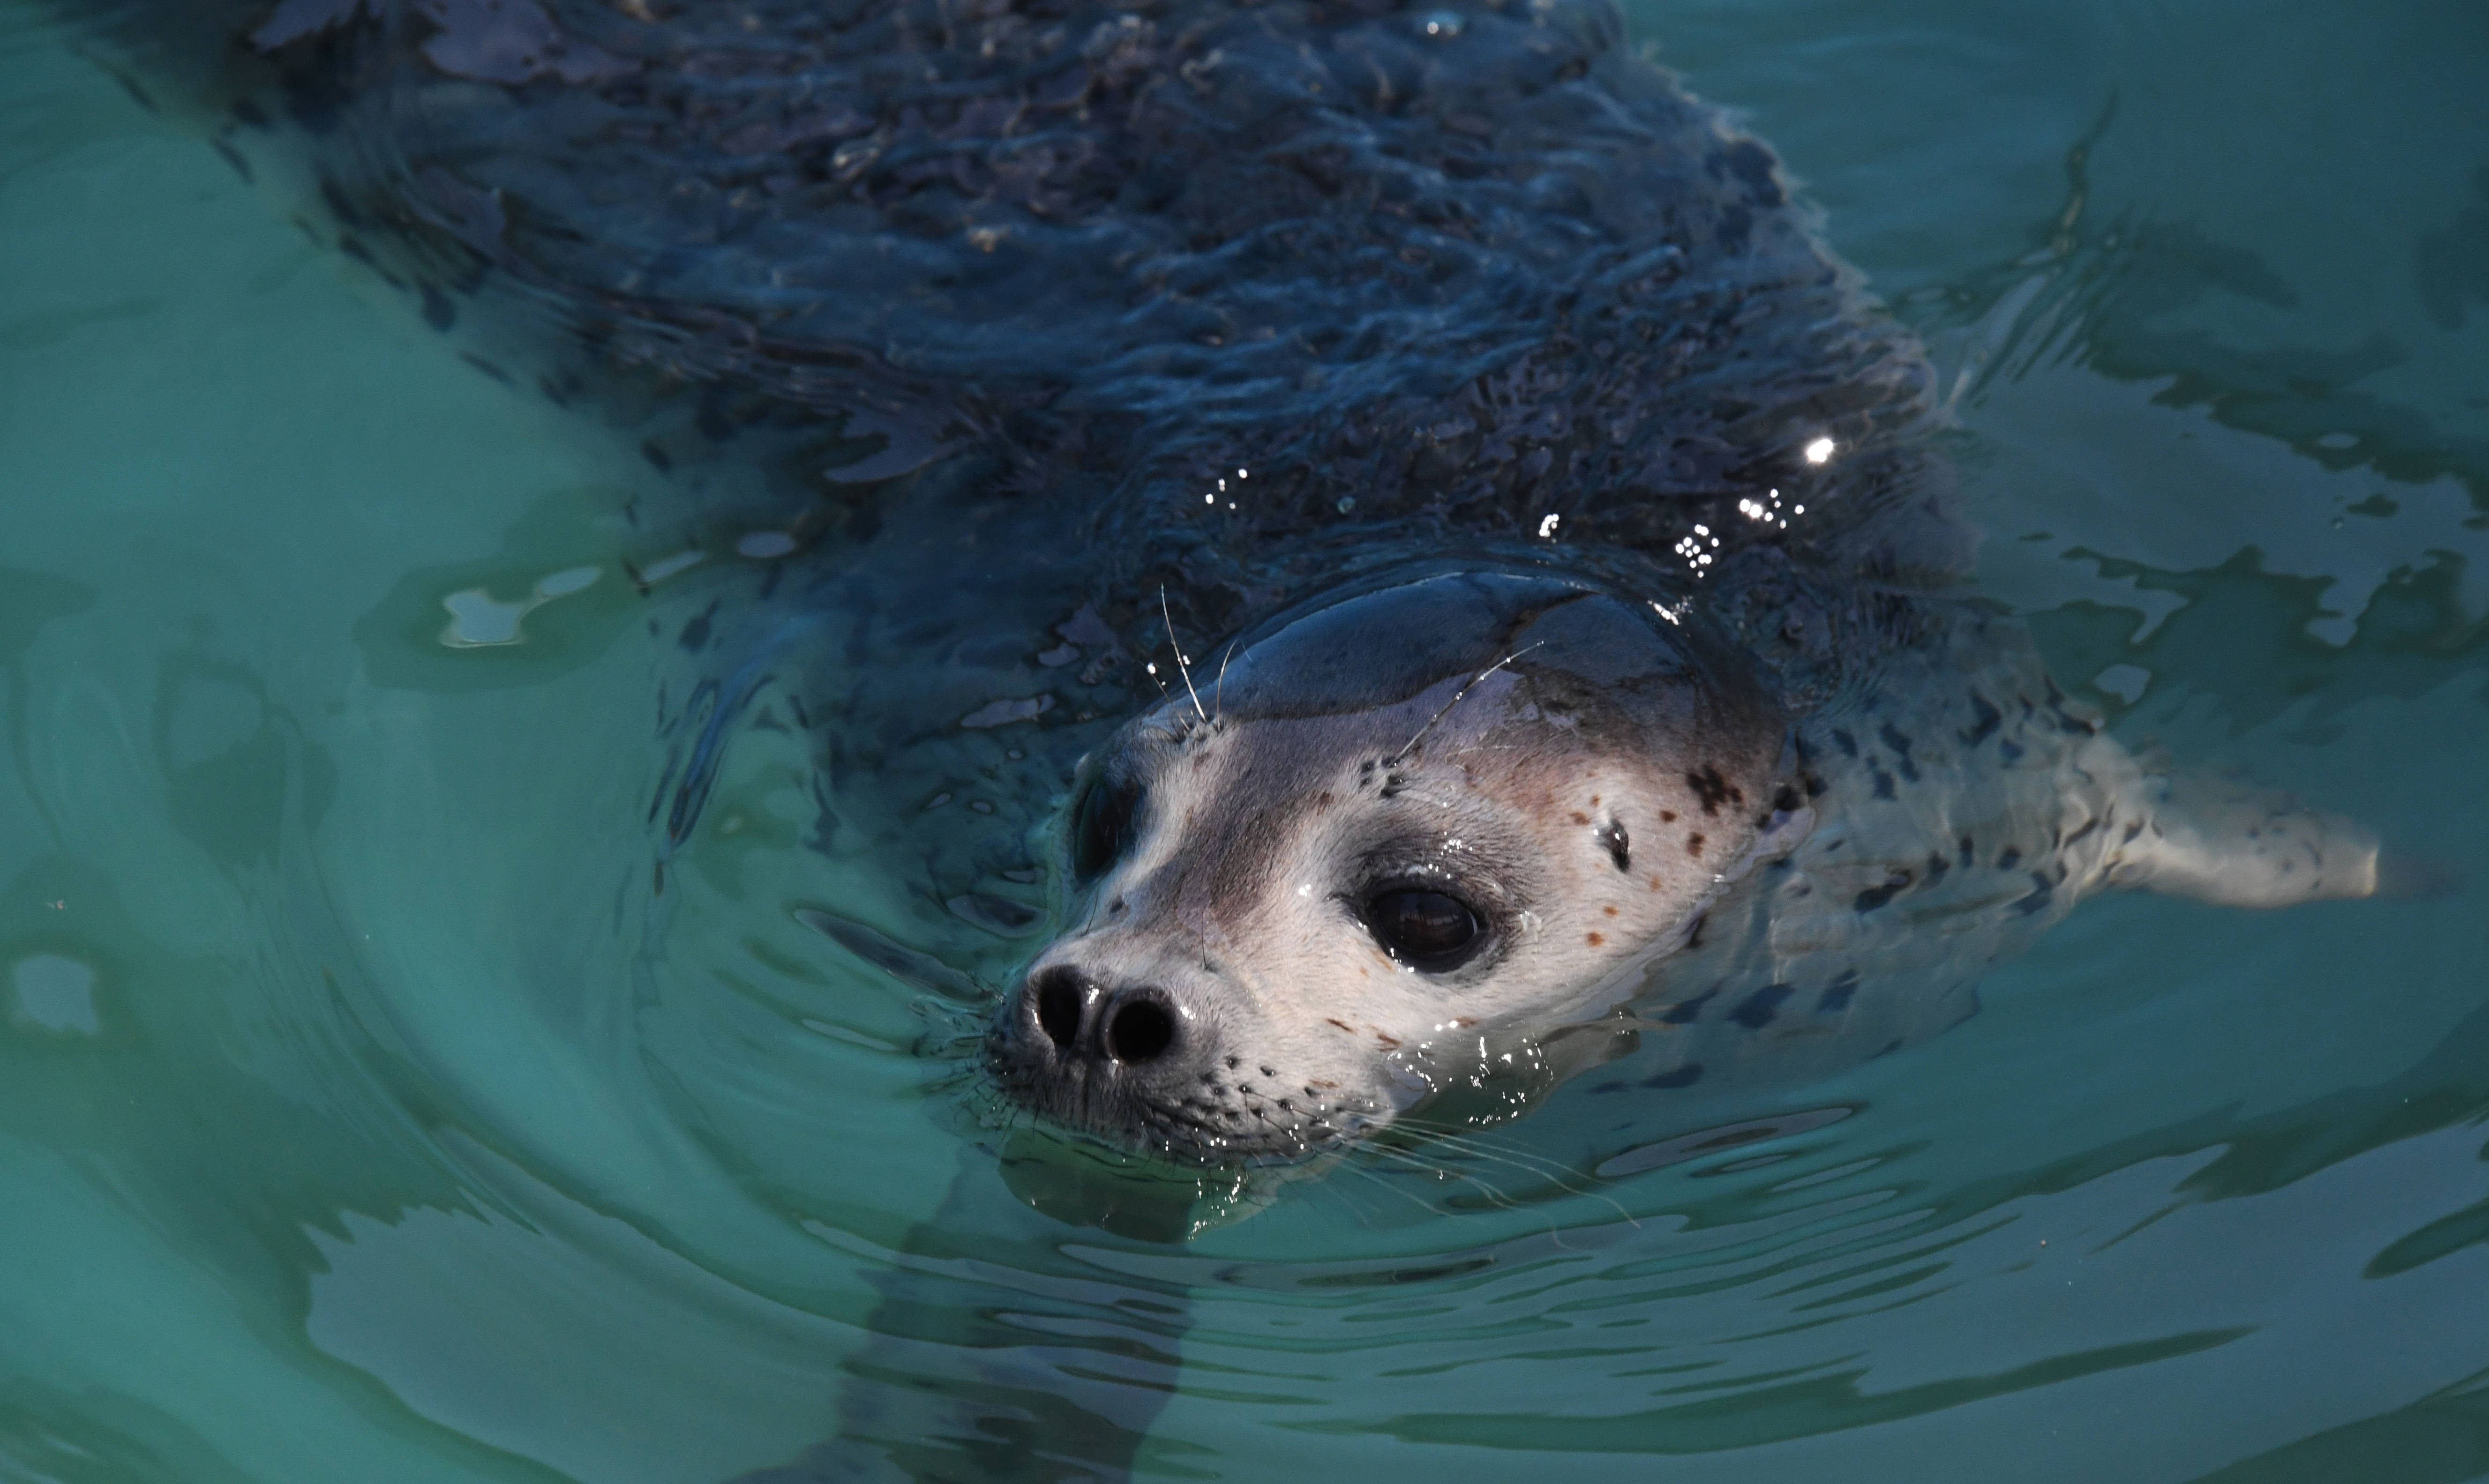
(1058, 1006)
(1140, 1030)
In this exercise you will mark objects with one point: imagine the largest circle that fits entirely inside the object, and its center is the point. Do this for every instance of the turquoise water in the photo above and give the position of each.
(366, 1114)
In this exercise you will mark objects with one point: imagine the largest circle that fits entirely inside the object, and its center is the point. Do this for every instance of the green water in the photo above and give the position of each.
(364, 1114)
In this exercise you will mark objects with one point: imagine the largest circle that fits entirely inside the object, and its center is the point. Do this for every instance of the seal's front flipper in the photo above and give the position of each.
(2226, 840)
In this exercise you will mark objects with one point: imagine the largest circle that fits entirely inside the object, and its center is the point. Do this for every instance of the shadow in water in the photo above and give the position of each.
(996, 1355)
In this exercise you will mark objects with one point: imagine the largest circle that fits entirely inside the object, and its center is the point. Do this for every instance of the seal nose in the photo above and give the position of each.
(1133, 1026)
(1141, 1026)
(1062, 1003)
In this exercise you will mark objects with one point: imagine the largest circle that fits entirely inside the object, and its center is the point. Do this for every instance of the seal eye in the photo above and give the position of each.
(1103, 826)
(1426, 931)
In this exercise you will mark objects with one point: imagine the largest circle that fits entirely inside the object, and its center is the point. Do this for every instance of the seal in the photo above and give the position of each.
(1585, 662)
(1420, 818)
(1418, 833)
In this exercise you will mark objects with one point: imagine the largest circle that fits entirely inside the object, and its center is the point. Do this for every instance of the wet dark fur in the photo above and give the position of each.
(1459, 267)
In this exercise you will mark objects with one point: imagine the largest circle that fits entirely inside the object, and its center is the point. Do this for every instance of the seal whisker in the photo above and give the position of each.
(1494, 1194)
(1218, 690)
(1377, 1179)
(1466, 687)
(1554, 1171)
(1360, 1211)
(1555, 1228)
(1181, 665)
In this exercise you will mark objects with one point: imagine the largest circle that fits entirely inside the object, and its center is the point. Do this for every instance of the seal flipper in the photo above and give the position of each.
(2228, 841)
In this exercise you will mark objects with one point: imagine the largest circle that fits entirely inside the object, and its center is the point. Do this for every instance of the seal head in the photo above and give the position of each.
(1408, 831)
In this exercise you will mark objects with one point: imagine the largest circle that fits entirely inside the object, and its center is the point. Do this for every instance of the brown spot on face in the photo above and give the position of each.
(1596, 940)
(1342, 1024)
(1668, 817)
(1611, 911)
(1693, 847)
(1580, 817)
(1654, 883)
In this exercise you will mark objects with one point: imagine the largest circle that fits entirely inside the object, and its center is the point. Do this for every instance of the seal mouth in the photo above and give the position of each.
(1218, 1119)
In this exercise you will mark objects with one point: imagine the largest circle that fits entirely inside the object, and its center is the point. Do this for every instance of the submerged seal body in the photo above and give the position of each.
(1521, 541)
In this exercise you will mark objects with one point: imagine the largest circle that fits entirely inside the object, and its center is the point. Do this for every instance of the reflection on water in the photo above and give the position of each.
(54, 992)
(365, 1095)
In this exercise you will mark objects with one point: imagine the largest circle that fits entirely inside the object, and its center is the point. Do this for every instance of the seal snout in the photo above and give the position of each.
(1086, 1021)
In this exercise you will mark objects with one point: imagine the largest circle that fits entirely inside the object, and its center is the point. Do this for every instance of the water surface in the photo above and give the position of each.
(368, 1112)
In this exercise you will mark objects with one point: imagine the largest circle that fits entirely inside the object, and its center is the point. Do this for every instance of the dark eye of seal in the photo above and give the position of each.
(1101, 827)
(1427, 930)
